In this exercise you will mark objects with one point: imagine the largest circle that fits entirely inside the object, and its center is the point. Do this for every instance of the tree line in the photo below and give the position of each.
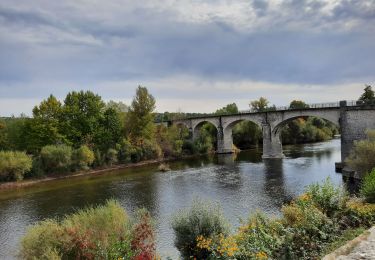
(84, 132)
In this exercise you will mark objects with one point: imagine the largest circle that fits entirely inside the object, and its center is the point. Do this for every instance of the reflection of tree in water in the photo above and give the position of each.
(195, 162)
(251, 155)
(129, 191)
(274, 186)
(228, 173)
(297, 151)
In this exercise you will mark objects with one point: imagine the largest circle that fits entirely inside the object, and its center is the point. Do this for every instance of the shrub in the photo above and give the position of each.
(367, 189)
(307, 230)
(83, 157)
(359, 213)
(327, 197)
(136, 154)
(99, 159)
(125, 149)
(150, 150)
(218, 247)
(143, 240)
(188, 147)
(362, 156)
(260, 236)
(111, 156)
(103, 232)
(201, 219)
(56, 158)
(13, 165)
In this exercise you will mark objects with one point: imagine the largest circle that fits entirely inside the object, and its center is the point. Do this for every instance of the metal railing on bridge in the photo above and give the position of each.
(349, 103)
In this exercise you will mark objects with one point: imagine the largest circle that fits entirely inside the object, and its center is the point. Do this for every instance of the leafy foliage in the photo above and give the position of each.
(56, 158)
(83, 157)
(259, 105)
(201, 219)
(227, 110)
(362, 156)
(368, 187)
(327, 197)
(368, 94)
(102, 232)
(140, 118)
(81, 116)
(14, 165)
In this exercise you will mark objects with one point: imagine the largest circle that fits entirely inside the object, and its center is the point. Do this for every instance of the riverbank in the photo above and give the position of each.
(242, 187)
(99, 171)
(361, 247)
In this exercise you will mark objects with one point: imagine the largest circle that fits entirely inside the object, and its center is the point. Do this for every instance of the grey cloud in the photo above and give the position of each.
(146, 44)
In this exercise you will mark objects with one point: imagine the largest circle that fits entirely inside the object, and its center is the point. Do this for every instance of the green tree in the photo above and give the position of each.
(227, 110)
(3, 135)
(44, 128)
(246, 134)
(119, 106)
(82, 113)
(368, 94)
(140, 119)
(259, 105)
(298, 104)
(109, 131)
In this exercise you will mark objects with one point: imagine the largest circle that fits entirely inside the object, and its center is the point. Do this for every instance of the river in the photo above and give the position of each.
(242, 184)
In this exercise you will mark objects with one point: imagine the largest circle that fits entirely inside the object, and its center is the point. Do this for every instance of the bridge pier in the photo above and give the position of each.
(272, 147)
(224, 141)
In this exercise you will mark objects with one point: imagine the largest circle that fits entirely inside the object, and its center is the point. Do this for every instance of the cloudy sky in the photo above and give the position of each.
(192, 55)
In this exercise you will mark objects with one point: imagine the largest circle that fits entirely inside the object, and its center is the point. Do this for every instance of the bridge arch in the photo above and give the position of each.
(228, 130)
(197, 125)
(332, 115)
(333, 118)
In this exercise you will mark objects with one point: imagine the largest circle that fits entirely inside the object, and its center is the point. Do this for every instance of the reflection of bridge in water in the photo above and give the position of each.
(353, 118)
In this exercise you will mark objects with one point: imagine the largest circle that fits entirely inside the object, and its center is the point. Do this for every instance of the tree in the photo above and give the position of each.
(82, 113)
(140, 119)
(109, 132)
(368, 94)
(3, 136)
(259, 105)
(44, 128)
(227, 110)
(119, 106)
(298, 104)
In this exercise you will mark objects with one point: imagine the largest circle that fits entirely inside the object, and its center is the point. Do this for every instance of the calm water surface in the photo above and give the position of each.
(242, 185)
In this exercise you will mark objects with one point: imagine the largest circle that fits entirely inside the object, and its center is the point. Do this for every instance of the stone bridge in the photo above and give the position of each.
(353, 120)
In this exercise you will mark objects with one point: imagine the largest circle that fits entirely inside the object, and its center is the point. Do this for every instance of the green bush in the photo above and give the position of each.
(367, 189)
(111, 157)
(259, 236)
(125, 149)
(14, 165)
(362, 156)
(201, 219)
(188, 147)
(327, 197)
(56, 158)
(150, 150)
(83, 157)
(307, 230)
(103, 232)
(359, 214)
